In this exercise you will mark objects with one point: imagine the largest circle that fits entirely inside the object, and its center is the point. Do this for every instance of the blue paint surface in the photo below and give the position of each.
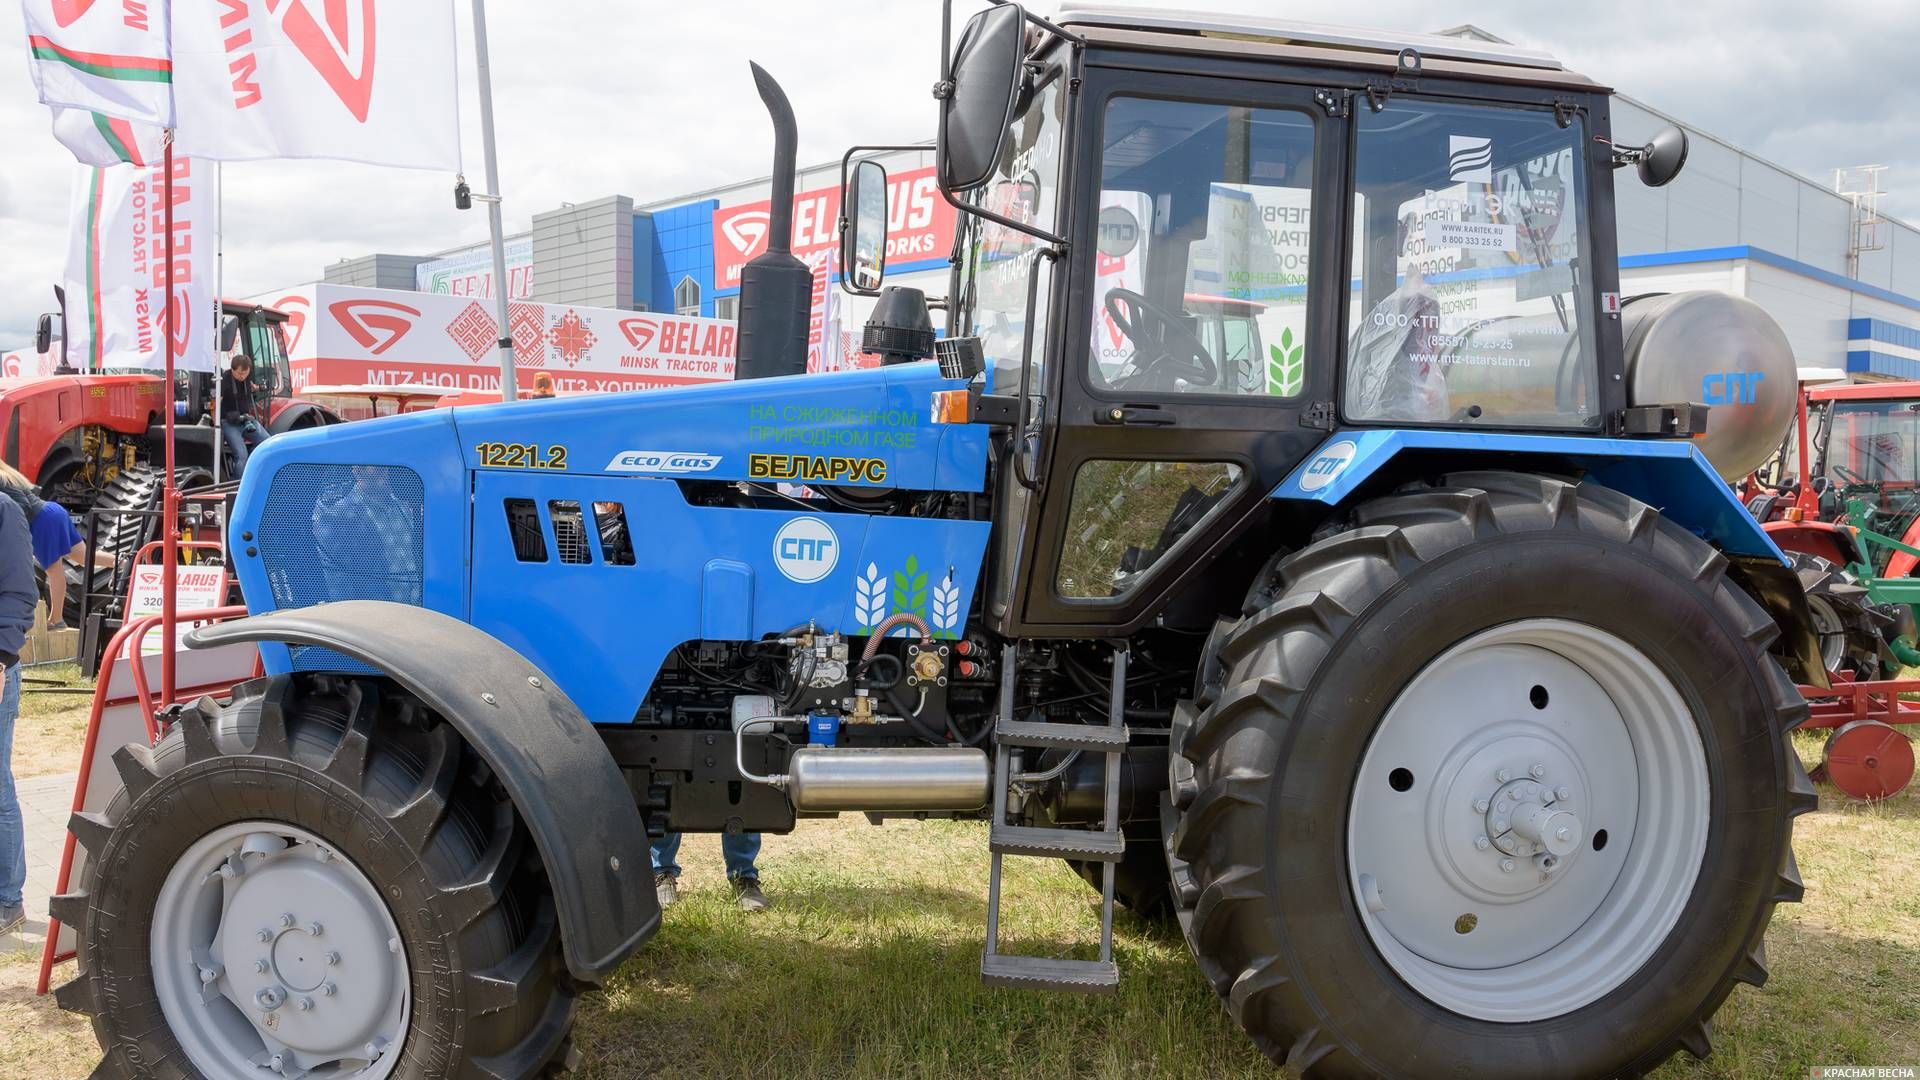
(600, 629)
(1668, 474)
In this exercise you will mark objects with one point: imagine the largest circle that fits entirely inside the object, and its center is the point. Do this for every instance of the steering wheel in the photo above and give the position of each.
(1164, 349)
(1846, 474)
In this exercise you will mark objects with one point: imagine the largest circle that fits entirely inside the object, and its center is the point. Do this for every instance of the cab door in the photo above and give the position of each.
(1206, 203)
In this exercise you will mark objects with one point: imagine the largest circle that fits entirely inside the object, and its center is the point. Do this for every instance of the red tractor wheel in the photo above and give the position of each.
(1868, 760)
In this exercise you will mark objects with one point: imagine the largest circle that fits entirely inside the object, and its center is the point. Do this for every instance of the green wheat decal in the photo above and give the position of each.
(1286, 366)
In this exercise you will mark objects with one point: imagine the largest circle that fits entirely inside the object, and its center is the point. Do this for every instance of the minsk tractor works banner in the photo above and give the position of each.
(346, 336)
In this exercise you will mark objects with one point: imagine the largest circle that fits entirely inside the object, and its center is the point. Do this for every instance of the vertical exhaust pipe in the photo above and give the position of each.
(776, 289)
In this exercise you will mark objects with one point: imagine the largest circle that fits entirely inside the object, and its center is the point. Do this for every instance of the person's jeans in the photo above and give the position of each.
(739, 850)
(13, 839)
(242, 436)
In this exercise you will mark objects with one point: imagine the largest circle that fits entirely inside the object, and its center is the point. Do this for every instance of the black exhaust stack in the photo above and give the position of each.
(776, 289)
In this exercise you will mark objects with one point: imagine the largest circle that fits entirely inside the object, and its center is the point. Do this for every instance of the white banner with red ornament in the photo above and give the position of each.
(338, 335)
(116, 268)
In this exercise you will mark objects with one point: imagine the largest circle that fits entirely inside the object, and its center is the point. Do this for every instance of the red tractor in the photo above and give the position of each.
(93, 441)
(1842, 499)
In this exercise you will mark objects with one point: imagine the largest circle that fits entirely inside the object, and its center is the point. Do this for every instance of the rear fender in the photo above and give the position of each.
(1821, 539)
(1668, 474)
(553, 764)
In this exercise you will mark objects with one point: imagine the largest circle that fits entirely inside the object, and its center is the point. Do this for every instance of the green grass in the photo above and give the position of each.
(868, 968)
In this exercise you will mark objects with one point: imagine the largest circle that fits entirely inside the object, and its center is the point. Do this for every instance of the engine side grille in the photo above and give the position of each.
(342, 532)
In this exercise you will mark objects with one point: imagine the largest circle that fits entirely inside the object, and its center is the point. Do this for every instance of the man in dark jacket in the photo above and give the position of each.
(237, 423)
(18, 599)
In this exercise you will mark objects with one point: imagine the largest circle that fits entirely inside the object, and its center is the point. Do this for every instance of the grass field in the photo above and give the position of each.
(868, 967)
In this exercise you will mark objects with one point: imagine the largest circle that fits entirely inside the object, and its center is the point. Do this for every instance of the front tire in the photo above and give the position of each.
(319, 873)
(1330, 812)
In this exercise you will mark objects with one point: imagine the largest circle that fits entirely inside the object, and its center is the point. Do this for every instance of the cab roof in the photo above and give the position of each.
(1322, 43)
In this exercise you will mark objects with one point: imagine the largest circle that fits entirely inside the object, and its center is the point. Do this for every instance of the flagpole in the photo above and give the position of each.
(219, 328)
(170, 494)
(508, 384)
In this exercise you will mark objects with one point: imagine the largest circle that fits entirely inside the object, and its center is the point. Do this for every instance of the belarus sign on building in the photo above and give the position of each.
(919, 226)
(339, 335)
(470, 272)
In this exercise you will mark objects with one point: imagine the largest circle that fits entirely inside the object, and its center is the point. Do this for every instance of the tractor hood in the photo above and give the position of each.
(871, 427)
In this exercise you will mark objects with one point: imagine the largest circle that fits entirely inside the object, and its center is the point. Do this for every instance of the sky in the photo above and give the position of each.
(653, 100)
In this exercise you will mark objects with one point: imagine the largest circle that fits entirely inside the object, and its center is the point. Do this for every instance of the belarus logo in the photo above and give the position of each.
(296, 308)
(571, 337)
(68, 12)
(333, 49)
(746, 230)
(639, 332)
(375, 324)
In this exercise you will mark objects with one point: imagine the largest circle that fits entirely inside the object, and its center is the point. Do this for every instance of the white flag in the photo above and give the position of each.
(116, 268)
(98, 139)
(360, 80)
(104, 57)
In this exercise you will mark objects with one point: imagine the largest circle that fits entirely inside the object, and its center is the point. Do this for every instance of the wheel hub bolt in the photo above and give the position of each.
(1500, 825)
(332, 958)
(286, 920)
(1480, 806)
(269, 998)
(260, 965)
(1503, 776)
(327, 989)
(316, 929)
(1481, 842)
(264, 934)
(1537, 771)
(305, 1004)
(1506, 866)
(207, 975)
(1562, 793)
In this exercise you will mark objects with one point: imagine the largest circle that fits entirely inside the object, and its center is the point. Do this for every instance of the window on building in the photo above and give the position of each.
(686, 297)
(726, 307)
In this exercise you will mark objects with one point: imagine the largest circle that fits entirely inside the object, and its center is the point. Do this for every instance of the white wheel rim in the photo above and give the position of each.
(1546, 916)
(275, 956)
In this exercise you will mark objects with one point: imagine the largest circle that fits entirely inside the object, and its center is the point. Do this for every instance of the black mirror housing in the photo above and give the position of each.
(43, 335)
(863, 230)
(1664, 156)
(229, 333)
(978, 95)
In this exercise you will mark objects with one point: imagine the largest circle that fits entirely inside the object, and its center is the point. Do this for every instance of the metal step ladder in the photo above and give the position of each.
(1107, 846)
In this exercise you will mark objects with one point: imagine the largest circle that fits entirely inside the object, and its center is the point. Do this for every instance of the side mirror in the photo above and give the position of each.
(863, 244)
(977, 96)
(1660, 160)
(43, 335)
(229, 333)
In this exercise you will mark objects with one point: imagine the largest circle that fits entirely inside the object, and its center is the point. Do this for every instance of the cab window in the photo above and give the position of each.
(1200, 267)
(1470, 299)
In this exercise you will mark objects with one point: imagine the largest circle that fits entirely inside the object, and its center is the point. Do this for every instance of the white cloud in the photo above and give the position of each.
(652, 100)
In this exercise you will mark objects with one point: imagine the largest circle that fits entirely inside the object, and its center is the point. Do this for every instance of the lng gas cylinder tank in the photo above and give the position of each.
(1720, 350)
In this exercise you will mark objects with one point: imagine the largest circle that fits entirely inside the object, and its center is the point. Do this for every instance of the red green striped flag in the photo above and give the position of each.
(103, 57)
(100, 140)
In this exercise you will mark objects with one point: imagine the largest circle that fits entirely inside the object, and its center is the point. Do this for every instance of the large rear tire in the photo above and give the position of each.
(319, 874)
(1345, 809)
(1845, 623)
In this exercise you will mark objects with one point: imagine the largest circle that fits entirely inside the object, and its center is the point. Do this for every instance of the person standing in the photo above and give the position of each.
(739, 851)
(55, 540)
(18, 598)
(237, 423)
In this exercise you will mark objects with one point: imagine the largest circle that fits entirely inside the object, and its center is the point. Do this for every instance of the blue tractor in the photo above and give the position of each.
(1401, 646)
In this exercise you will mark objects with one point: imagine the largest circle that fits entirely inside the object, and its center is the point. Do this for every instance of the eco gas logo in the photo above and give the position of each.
(806, 550)
(662, 461)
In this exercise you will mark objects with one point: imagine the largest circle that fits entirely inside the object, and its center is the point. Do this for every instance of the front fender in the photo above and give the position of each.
(553, 764)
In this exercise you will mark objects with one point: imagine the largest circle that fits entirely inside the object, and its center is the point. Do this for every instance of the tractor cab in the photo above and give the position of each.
(259, 334)
(1193, 250)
